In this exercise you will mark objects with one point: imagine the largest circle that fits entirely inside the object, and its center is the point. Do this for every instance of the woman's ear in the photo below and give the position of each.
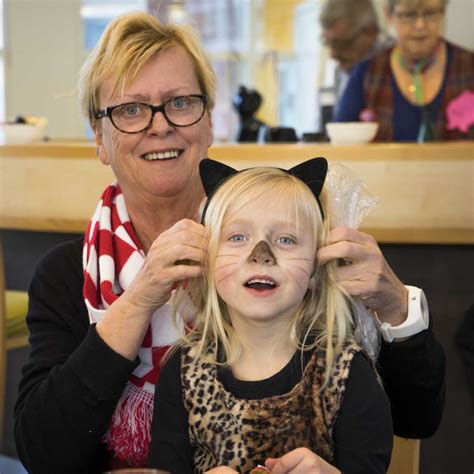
(100, 149)
(210, 134)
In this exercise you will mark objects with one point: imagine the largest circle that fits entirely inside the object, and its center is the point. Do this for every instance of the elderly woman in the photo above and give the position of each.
(99, 315)
(408, 88)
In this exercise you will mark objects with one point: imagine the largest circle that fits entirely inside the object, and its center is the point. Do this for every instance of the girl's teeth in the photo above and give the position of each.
(268, 282)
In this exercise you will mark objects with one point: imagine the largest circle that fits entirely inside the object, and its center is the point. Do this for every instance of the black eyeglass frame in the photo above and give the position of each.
(411, 17)
(107, 112)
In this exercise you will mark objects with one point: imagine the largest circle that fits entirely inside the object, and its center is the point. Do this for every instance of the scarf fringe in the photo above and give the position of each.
(129, 430)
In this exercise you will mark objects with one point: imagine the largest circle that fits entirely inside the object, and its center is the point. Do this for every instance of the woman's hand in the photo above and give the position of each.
(300, 461)
(175, 256)
(366, 274)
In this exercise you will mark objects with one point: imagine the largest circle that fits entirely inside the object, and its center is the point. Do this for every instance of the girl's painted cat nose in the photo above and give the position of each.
(262, 254)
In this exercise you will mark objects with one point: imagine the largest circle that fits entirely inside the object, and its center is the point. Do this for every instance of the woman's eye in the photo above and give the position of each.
(131, 110)
(286, 240)
(237, 238)
(179, 103)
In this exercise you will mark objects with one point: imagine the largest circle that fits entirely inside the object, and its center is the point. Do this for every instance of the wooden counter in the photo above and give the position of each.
(426, 191)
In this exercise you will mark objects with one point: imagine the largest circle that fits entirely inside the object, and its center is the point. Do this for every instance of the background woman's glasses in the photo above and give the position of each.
(429, 16)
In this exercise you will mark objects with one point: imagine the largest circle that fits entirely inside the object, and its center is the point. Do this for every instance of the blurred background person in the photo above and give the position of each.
(408, 88)
(352, 33)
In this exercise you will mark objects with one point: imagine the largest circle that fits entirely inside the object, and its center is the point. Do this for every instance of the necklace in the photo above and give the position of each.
(416, 69)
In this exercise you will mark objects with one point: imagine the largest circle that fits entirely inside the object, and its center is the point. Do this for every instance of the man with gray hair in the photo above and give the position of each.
(351, 31)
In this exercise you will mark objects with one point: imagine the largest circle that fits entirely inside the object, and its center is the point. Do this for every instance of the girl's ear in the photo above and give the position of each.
(213, 174)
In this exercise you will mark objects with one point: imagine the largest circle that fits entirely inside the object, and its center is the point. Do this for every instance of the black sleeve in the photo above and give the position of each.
(363, 433)
(72, 381)
(413, 374)
(170, 448)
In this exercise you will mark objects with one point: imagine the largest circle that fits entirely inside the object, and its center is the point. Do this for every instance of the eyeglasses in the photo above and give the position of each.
(135, 117)
(429, 16)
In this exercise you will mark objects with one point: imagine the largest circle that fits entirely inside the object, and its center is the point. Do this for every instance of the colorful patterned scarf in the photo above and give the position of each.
(112, 257)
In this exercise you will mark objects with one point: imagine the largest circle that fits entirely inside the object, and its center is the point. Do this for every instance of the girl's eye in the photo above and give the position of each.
(237, 238)
(286, 240)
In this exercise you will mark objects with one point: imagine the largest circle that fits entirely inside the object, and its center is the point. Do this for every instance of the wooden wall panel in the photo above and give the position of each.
(426, 192)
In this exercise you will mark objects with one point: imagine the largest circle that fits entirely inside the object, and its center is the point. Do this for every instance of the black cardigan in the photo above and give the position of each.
(73, 380)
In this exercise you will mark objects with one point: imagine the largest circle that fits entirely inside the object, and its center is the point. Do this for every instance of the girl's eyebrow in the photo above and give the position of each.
(248, 222)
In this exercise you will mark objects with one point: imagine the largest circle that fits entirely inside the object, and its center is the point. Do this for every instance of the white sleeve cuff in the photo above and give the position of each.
(417, 319)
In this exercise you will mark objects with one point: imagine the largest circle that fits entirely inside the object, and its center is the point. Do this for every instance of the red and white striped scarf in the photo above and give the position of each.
(112, 257)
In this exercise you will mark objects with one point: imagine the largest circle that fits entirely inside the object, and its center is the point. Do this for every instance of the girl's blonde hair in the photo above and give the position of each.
(324, 312)
(126, 45)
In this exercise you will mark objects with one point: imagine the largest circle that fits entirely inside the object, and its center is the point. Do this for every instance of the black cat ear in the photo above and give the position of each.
(312, 173)
(213, 174)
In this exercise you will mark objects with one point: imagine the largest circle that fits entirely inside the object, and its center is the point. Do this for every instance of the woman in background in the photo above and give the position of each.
(407, 88)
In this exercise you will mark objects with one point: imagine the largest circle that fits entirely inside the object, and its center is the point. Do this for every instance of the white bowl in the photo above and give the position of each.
(351, 133)
(21, 132)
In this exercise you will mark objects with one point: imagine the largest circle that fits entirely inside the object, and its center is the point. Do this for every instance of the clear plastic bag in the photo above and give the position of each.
(349, 201)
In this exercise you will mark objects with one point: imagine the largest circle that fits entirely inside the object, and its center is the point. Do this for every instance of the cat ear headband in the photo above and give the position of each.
(311, 172)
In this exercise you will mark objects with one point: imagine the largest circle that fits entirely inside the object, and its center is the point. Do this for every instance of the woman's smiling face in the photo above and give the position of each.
(265, 258)
(161, 161)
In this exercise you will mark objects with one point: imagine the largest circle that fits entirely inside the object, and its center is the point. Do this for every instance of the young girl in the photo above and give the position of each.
(269, 374)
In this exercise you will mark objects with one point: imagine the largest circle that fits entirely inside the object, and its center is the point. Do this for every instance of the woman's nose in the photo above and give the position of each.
(420, 22)
(159, 125)
(262, 254)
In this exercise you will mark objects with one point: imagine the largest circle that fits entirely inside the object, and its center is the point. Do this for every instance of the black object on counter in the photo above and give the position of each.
(280, 134)
(312, 137)
(246, 102)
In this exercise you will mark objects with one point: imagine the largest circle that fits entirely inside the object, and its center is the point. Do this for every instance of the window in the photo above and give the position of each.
(96, 14)
(225, 27)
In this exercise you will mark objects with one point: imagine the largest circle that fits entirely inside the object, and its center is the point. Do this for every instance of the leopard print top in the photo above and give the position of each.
(226, 430)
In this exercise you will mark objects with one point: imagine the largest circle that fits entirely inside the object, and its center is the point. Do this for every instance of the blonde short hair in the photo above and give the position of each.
(126, 45)
(325, 310)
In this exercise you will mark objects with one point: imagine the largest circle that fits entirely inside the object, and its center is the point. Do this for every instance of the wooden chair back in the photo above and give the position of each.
(3, 340)
(405, 456)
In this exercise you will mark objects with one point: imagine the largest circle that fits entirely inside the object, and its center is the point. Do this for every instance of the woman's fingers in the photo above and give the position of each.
(364, 272)
(185, 228)
(176, 255)
(348, 244)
